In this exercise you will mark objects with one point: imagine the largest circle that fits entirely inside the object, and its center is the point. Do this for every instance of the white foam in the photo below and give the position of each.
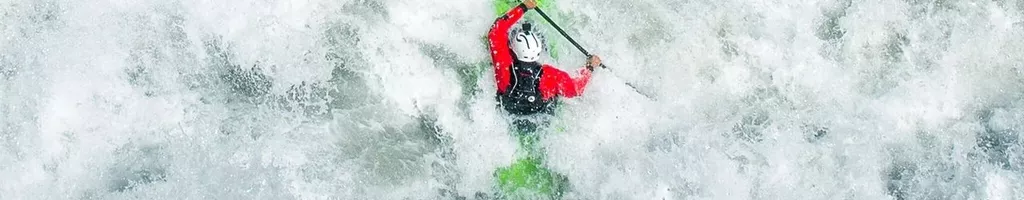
(751, 100)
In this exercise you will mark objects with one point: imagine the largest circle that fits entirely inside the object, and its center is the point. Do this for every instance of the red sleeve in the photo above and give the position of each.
(557, 82)
(501, 57)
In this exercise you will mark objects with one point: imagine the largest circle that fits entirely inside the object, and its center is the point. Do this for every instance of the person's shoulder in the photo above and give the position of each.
(549, 69)
(547, 66)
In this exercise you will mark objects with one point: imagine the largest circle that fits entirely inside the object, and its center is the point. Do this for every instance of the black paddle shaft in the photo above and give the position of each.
(584, 51)
(559, 29)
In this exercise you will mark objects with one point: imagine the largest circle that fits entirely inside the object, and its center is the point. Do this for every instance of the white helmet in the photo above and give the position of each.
(525, 43)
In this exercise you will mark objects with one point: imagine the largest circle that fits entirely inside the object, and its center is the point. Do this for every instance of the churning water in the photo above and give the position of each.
(385, 99)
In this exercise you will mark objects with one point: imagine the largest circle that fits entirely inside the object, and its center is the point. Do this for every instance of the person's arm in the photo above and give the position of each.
(558, 82)
(501, 56)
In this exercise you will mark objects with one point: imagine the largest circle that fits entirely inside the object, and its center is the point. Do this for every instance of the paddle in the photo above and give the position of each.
(584, 51)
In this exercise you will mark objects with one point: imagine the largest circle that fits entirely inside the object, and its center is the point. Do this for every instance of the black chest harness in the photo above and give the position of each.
(522, 96)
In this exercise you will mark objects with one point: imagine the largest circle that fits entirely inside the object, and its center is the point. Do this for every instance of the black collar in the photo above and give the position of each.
(532, 66)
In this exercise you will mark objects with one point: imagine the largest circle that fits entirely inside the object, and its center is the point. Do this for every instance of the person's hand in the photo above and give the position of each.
(530, 4)
(593, 61)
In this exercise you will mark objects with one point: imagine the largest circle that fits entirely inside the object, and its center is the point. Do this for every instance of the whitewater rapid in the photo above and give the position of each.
(388, 99)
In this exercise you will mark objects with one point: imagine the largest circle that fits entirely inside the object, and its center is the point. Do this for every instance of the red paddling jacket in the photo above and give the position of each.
(528, 87)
